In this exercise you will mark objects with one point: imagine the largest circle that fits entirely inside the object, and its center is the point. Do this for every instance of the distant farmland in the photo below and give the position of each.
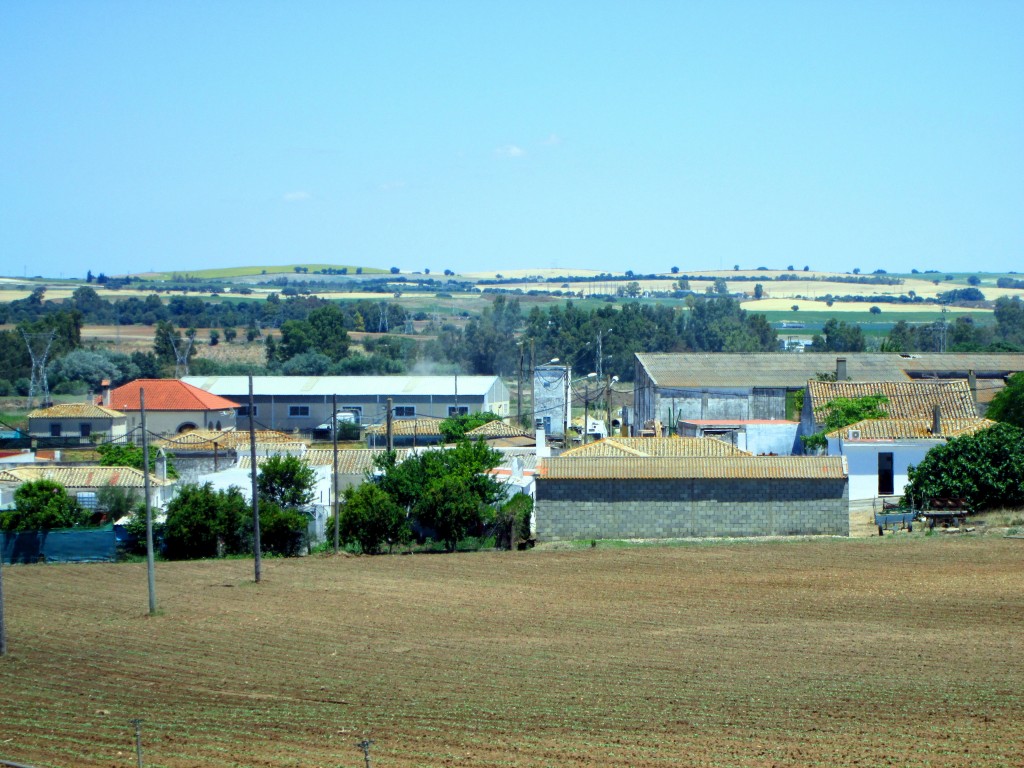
(871, 652)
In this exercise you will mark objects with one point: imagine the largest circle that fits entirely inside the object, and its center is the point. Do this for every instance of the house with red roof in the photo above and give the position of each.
(172, 406)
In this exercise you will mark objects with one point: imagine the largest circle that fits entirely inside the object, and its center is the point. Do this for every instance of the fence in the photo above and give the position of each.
(72, 545)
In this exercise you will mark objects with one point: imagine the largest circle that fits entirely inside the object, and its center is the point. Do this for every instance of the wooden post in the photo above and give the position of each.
(334, 477)
(389, 430)
(258, 565)
(150, 565)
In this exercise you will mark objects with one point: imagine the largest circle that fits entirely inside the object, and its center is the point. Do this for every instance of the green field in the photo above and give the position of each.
(285, 269)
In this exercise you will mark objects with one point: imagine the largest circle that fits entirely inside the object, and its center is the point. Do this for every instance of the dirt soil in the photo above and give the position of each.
(889, 651)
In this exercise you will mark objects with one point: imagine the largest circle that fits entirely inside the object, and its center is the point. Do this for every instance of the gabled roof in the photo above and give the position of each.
(497, 428)
(664, 447)
(167, 395)
(715, 468)
(907, 399)
(208, 439)
(428, 426)
(697, 370)
(351, 461)
(83, 477)
(75, 411)
(910, 429)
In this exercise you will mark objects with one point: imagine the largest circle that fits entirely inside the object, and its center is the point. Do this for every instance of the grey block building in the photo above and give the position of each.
(650, 497)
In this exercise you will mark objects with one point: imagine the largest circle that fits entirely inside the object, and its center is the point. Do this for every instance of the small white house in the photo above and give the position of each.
(879, 451)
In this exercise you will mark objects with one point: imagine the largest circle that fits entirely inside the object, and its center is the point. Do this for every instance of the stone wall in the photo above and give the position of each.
(684, 508)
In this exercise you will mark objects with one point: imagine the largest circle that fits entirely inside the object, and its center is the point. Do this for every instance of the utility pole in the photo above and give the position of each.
(334, 478)
(150, 566)
(567, 416)
(519, 387)
(3, 626)
(586, 412)
(608, 405)
(389, 432)
(255, 488)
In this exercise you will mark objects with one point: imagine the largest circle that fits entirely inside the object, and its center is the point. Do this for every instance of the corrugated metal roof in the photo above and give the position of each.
(167, 395)
(75, 411)
(666, 447)
(82, 477)
(781, 369)
(347, 386)
(907, 399)
(910, 429)
(720, 468)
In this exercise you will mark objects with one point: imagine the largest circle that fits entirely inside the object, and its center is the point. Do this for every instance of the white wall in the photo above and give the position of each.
(862, 460)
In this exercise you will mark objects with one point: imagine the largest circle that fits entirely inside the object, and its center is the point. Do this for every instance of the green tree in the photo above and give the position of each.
(117, 502)
(512, 521)
(40, 505)
(203, 522)
(454, 428)
(758, 290)
(1008, 404)
(286, 481)
(371, 518)
(130, 455)
(986, 469)
(283, 530)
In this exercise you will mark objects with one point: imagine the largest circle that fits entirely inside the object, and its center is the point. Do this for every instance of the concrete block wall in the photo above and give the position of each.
(641, 509)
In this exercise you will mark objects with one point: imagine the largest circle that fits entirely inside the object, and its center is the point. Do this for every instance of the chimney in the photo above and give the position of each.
(972, 381)
(840, 369)
(937, 420)
(106, 392)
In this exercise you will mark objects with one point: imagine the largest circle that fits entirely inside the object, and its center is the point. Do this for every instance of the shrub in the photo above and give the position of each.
(370, 518)
(41, 505)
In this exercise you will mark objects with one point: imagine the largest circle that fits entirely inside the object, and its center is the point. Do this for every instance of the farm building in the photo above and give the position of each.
(605, 497)
(85, 482)
(82, 421)
(879, 452)
(305, 402)
(743, 387)
(172, 406)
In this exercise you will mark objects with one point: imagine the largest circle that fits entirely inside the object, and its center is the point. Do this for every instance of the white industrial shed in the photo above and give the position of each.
(304, 402)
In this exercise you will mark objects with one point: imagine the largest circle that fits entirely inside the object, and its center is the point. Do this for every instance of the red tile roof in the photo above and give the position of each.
(167, 395)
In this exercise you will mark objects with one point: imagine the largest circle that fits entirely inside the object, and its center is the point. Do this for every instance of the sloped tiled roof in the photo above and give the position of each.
(75, 411)
(167, 395)
(421, 425)
(664, 447)
(718, 468)
(497, 428)
(82, 477)
(351, 461)
(207, 439)
(911, 429)
(907, 399)
(781, 369)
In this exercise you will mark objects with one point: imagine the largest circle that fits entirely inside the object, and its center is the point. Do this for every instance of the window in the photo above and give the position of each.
(885, 474)
(405, 411)
(298, 410)
(460, 411)
(243, 410)
(55, 430)
(85, 429)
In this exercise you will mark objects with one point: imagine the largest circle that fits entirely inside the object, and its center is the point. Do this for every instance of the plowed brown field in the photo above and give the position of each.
(873, 652)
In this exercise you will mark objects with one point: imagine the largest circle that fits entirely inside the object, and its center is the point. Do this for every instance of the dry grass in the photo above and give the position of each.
(834, 653)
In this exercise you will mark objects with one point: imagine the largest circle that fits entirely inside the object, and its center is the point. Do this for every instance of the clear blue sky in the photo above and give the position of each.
(496, 135)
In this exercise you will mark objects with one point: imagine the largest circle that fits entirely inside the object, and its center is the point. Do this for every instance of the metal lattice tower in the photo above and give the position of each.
(39, 350)
(383, 326)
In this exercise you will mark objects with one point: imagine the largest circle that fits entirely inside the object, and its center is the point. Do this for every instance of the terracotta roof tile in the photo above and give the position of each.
(726, 467)
(421, 425)
(351, 461)
(910, 429)
(907, 399)
(665, 447)
(82, 477)
(167, 395)
(75, 411)
(497, 428)
(207, 439)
